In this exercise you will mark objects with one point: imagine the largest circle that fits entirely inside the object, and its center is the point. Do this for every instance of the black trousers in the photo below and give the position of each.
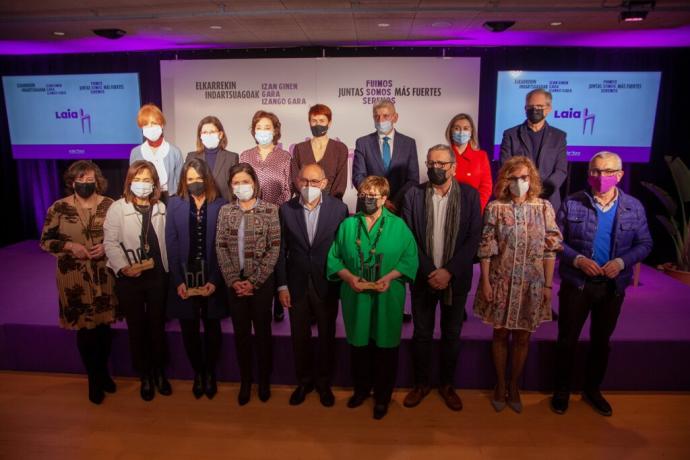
(603, 303)
(202, 353)
(424, 301)
(374, 368)
(254, 310)
(94, 348)
(143, 301)
(325, 310)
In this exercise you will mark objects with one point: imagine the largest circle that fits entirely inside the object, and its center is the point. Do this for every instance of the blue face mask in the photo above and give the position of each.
(384, 127)
(461, 137)
(263, 137)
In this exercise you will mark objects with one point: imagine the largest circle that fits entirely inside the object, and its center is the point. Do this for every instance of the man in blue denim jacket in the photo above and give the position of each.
(604, 235)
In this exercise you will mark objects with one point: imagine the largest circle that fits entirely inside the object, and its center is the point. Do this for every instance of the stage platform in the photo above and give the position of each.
(648, 350)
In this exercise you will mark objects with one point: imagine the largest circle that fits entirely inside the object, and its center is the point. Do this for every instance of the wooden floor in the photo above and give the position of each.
(47, 416)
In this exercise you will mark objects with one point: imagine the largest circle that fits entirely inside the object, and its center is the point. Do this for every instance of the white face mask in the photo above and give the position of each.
(210, 141)
(141, 189)
(519, 187)
(384, 127)
(309, 194)
(263, 137)
(152, 133)
(243, 192)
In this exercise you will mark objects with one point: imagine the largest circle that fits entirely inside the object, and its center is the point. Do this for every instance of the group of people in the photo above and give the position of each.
(251, 235)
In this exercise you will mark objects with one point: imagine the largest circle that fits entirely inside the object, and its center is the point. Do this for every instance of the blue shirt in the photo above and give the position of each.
(604, 234)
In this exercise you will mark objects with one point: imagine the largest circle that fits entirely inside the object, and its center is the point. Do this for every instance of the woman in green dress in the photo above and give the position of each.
(375, 254)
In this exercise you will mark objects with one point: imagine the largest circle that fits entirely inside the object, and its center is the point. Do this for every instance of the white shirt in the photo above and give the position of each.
(440, 204)
(157, 159)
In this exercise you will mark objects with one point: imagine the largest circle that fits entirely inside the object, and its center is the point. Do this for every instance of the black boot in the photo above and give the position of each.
(211, 386)
(147, 390)
(87, 345)
(161, 382)
(105, 342)
(245, 393)
(198, 385)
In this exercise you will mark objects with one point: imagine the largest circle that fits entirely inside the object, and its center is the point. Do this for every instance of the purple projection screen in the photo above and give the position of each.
(90, 116)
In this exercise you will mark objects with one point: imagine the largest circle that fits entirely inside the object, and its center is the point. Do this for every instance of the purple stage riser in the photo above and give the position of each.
(585, 153)
(73, 151)
(640, 366)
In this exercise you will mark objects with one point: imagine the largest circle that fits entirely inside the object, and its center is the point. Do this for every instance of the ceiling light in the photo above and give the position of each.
(556, 23)
(632, 16)
(383, 24)
(216, 27)
(635, 10)
(59, 34)
(498, 26)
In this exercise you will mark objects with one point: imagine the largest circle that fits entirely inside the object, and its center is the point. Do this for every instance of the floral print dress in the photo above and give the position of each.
(85, 287)
(517, 238)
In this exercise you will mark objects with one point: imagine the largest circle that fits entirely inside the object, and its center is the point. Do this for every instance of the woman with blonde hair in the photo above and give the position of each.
(517, 252)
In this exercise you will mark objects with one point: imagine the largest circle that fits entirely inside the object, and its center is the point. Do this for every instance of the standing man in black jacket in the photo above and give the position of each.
(445, 218)
(309, 224)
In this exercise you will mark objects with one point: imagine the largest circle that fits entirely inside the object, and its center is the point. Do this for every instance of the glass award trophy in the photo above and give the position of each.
(195, 277)
(371, 272)
(137, 260)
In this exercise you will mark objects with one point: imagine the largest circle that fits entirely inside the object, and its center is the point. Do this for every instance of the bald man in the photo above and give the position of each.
(309, 223)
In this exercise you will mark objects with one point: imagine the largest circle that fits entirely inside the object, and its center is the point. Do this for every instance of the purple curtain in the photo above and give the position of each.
(40, 185)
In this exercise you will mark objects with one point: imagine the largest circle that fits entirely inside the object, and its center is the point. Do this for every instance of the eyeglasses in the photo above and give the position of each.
(538, 107)
(603, 172)
(437, 164)
(310, 182)
(524, 178)
(367, 195)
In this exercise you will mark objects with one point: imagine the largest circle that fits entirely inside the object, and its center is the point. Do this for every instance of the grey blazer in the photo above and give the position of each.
(221, 169)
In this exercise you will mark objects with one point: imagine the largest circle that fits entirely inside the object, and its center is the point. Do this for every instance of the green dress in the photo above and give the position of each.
(373, 315)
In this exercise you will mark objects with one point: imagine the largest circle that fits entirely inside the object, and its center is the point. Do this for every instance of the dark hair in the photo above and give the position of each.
(274, 119)
(245, 168)
(320, 109)
(77, 170)
(219, 126)
(133, 170)
(202, 169)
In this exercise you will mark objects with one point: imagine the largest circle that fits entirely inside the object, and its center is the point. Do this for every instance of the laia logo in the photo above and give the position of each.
(76, 115)
(585, 115)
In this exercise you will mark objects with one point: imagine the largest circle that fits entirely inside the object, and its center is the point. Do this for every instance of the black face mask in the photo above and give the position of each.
(319, 130)
(534, 115)
(85, 189)
(437, 176)
(196, 188)
(367, 205)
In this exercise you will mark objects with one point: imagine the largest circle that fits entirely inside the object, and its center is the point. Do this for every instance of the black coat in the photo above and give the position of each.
(466, 244)
(298, 259)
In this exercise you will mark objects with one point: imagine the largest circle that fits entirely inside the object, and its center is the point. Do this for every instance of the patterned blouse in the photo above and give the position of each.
(517, 238)
(85, 287)
(273, 173)
(261, 242)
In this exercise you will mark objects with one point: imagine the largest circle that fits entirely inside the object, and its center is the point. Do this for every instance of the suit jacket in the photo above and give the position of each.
(123, 225)
(300, 260)
(404, 168)
(221, 169)
(466, 244)
(177, 242)
(551, 160)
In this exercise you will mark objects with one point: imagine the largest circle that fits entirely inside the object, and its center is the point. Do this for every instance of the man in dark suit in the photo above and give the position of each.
(387, 153)
(445, 218)
(309, 224)
(541, 143)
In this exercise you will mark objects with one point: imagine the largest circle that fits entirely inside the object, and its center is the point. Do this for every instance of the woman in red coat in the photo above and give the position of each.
(472, 163)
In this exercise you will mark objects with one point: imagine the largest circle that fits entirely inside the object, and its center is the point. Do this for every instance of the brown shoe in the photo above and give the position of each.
(450, 397)
(415, 396)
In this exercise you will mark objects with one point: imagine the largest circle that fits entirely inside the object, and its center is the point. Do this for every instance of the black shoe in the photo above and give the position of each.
(147, 389)
(161, 382)
(211, 386)
(380, 411)
(244, 394)
(598, 403)
(278, 317)
(96, 394)
(264, 391)
(559, 402)
(107, 383)
(297, 397)
(357, 399)
(327, 397)
(407, 318)
(198, 385)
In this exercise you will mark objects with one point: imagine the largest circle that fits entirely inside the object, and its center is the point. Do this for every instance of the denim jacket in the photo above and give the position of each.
(631, 241)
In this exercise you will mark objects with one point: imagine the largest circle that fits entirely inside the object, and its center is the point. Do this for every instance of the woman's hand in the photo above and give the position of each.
(182, 291)
(486, 290)
(243, 288)
(97, 251)
(77, 250)
(208, 289)
(355, 284)
(383, 284)
(130, 272)
(547, 296)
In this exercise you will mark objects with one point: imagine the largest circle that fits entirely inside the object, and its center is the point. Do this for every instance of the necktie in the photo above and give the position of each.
(386, 154)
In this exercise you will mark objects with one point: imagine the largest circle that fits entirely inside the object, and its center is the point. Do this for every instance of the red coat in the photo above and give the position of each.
(472, 168)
